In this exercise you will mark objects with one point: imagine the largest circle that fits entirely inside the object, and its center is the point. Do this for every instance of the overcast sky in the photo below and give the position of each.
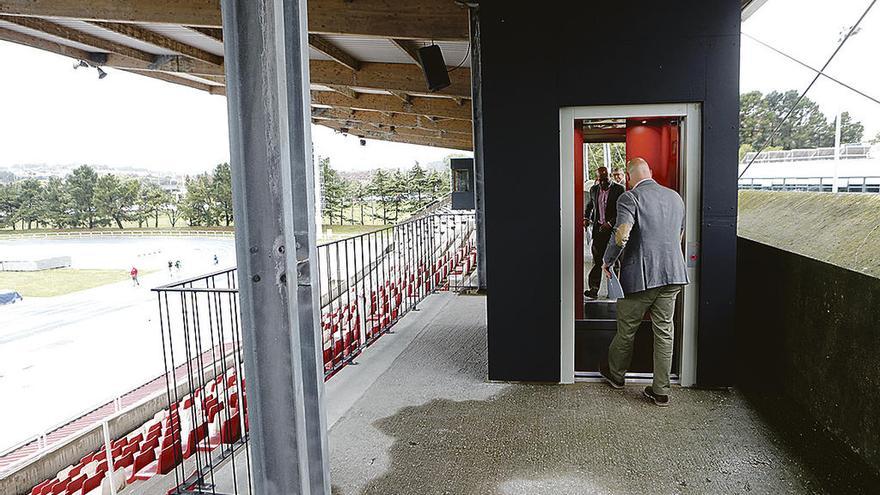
(51, 113)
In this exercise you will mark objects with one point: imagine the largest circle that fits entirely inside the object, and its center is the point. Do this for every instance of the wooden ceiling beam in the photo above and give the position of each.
(343, 90)
(120, 56)
(400, 95)
(215, 33)
(81, 37)
(399, 120)
(44, 44)
(400, 131)
(188, 12)
(156, 39)
(407, 47)
(411, 19)
(163, 63)
(324, 46)
(396, 137)
(439, 107)
(405, 78)
(182, 81)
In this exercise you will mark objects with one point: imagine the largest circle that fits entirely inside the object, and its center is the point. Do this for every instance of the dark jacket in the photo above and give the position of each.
(591, 208)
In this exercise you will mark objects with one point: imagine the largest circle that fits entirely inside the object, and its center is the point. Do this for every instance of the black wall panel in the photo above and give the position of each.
(538, 57)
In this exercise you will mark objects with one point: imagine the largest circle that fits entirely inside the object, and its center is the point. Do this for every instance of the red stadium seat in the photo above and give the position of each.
(149, 444)
(74, 472)
(60, 487)
(141, 461)
(37, 489)
(91, 483)
(195, 436)
(76, 483)
(124, 461)
(169, 459)
(132, 448)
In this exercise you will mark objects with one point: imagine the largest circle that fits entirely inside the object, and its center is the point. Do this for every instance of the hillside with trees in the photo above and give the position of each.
(807, 127)
(380, 197)
(85, 199)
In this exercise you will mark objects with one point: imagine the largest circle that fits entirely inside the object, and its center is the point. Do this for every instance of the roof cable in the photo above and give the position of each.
(809, 87)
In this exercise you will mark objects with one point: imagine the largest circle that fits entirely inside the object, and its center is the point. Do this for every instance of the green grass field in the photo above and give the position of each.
(49, 283)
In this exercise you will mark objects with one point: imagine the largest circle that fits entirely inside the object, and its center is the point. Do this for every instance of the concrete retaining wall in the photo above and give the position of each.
(841, 229)
(809, 336)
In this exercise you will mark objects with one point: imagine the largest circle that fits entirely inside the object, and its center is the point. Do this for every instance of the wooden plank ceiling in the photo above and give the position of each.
(379, 95)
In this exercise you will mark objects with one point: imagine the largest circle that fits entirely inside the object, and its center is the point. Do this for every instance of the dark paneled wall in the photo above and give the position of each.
(808, 337)
(538, 57)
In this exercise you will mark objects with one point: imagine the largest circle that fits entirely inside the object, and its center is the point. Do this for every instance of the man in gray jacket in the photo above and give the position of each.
(647, 240)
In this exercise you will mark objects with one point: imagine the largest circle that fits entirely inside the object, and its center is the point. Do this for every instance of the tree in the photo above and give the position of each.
(116, 199)
(198, 204)
(418, 188)
(359, 193)
(57, 204)
(30, 202)
(150, 203)
(171, 207)
(380, 189)
(596, 157)
(334, 191)
(399, 190)
(876, 139)
(806, 127)
(438, 185)
(221, 185)
(850, 131)
(80, 187)
(9, 205)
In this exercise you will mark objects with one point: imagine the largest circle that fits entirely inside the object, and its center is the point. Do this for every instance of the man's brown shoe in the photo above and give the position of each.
(660, 400)
(606, 375)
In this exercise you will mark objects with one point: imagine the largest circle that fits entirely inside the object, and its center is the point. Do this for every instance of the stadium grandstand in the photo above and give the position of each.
(365, 345)
(855, 169)
(372, 281)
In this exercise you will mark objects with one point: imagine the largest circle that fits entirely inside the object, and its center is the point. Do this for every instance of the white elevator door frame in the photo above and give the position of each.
(691, 169)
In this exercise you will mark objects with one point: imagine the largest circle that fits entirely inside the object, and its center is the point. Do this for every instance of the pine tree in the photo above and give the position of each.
(80, 188)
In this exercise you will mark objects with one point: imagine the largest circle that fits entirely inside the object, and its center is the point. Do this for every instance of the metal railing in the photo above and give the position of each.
(847, 152)
(858, 184)
(368, 282)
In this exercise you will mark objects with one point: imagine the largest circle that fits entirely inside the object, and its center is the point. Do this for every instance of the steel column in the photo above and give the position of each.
(479, 170)
(267, 83)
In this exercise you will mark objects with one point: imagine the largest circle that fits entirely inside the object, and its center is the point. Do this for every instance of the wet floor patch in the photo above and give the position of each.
(585, 439)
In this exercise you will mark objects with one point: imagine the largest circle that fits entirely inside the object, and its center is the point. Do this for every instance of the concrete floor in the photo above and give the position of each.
(430, 423)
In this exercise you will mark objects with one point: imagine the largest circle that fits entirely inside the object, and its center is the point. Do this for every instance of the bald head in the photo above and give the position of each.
(638, 170)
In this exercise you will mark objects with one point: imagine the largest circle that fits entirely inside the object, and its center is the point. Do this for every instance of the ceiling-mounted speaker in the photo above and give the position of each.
(434, 67)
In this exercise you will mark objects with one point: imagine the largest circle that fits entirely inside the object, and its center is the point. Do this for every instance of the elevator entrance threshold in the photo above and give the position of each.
(593, 335)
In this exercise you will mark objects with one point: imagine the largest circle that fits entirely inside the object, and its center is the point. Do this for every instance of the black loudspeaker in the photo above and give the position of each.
(434, 67)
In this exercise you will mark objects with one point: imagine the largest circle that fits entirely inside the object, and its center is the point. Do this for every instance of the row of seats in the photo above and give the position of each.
(198, 422)
(342, 327)
(210, 416)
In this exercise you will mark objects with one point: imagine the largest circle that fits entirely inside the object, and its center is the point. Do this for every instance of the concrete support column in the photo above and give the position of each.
(267, 81)
(479, 171)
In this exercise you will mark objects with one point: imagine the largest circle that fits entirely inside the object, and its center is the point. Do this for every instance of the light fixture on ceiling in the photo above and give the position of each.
(363, 142)
(101, 73)
(81, 63)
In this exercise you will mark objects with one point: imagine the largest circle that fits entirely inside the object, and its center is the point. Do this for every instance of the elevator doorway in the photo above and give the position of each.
(668, 137)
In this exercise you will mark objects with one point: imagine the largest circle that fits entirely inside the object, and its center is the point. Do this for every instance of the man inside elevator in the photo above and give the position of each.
(647, 242)
(600, 213)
